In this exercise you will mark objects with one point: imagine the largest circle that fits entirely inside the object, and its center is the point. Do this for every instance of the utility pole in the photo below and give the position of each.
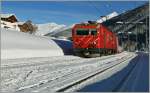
(129, 47)
(121, 37)
(136, 36)
(146, 42)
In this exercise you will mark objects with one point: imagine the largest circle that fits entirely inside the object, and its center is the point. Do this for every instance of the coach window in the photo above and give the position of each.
(82, 32)
(93, 32)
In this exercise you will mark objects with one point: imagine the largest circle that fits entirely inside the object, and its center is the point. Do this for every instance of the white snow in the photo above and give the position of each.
(20, 45)
(48, 28)
(47, 74)
(6, 15)
(67, 27)
(10, 26)
(107, 17)
(104, 75)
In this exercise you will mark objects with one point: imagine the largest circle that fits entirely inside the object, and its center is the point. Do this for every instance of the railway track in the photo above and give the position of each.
(132, 78)
(65, 82)
(131, 82)
(56, 62)
(99, 71)
(26, 75)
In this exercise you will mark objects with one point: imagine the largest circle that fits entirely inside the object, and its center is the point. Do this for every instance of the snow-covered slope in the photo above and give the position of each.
(48, 28)
(10, 26)
(63, 33)
(22, 45)
(61, 30)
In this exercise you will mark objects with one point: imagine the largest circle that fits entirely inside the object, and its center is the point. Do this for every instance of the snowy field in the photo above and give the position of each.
(44, 74)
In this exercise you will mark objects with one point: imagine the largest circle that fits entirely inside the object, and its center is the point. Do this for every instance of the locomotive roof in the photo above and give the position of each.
(95, 24)
(87, 24)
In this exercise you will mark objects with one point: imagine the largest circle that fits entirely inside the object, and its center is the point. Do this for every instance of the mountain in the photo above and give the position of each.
(66, 32)
(62, 33)
(46, 28)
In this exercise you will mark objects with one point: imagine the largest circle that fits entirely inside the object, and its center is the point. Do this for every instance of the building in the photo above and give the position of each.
(9, 21)
(9, 18)
(27, 27)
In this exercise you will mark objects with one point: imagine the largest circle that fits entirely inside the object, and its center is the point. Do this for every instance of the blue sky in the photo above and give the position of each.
(65, 12)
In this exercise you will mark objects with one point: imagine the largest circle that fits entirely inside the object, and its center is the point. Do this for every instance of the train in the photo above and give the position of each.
(93, 40)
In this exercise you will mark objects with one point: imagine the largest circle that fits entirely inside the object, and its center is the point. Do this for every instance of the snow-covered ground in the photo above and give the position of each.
(22, 45)
(133, 78)
(52, 73)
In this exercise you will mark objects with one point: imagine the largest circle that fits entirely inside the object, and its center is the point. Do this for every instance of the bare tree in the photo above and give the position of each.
(28, 27)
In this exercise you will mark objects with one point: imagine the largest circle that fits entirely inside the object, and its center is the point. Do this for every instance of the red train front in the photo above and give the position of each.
(91, 40)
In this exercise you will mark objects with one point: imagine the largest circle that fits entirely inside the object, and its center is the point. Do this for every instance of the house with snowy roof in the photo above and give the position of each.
(9, 18)
(9, 21)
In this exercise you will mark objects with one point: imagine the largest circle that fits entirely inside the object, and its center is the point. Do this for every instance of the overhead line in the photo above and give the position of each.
(92, 4)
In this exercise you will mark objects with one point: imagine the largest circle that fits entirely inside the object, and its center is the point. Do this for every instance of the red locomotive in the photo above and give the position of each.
(93, 39)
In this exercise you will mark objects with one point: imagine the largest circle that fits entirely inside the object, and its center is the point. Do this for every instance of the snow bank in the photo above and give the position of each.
(22, 45)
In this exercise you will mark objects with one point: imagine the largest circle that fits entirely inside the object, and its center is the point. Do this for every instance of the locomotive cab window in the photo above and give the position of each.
(82, 32)
(93, 32)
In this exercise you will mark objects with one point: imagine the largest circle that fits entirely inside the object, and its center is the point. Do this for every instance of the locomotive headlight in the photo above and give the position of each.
(94, 43)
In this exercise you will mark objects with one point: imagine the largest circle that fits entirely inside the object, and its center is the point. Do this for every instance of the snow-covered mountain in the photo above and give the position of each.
(46, 28)
(65, 28)
(64, 33)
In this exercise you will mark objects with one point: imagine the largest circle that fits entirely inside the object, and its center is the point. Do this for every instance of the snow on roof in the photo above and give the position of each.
(107, 17)
(6, 15)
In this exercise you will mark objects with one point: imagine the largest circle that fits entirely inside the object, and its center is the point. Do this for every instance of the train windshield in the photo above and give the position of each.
(82, 32)
(93, 32)
(86, 32)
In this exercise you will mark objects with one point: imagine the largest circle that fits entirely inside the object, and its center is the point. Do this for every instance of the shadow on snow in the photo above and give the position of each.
(66, 46)
(136, 73)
